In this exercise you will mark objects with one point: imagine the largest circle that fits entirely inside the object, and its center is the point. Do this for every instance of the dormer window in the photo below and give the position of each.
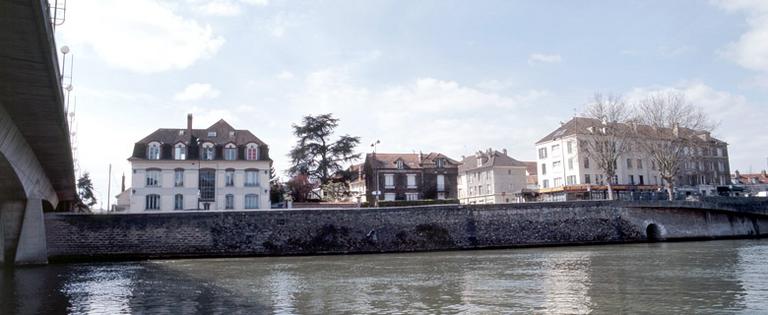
(440, 163)
(208, 151)
(180, 152)
(252, 152)
(399, 164)
(211, 134)
(231, 134)
(230, 152)
(153, 151)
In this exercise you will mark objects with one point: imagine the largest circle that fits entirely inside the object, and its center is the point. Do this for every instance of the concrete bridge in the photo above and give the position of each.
(36, 169)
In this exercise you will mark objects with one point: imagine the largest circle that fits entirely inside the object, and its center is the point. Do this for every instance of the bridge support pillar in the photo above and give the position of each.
(32, 248)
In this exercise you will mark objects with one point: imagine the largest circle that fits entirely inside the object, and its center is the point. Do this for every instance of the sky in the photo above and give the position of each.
(445, 76)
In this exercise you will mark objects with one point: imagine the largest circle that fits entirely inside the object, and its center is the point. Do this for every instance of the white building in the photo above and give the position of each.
(563, 165)
(492, 177)
(217, 168)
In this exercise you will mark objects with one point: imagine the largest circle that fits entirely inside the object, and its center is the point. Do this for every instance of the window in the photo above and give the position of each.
(411, 196)
(440, 163)
(587, 179)
(208, 151)
(153, 151)
(440, 183)
(586, 162)
(555, 149)
(153, 178)
(639, 164)
(211, 133)
(389, 196)
(178, 177)
(152, 202)
(629, 163)
(653, 165)
(556, 164)
(570, 163)
(545, 183)
(509, 172)
(389, 180)
(411, 180)
(558, 181)
(230, 152)
(641, 179)
(719, 152)
(399, 164)
(570, 180)
(543, 169)
(207, 184)
(542, 153)
(229, 202)
(251, 201)
(479, 162)
(252, 152)
(720, 166)
(180, 152)
(178, 202)
(631, 179)
(251, 177)
(569, 146)
(229, 177)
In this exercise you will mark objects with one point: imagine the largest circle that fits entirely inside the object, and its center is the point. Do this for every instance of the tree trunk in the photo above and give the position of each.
(669, 188)
(610, 191)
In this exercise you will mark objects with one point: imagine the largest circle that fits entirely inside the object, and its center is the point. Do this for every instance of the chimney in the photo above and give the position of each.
(504, 151)
(764, 173)
(737, 174)
(421, 156)
(122, 185)
(189, 124)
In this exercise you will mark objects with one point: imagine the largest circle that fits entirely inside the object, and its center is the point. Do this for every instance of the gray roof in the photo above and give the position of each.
(221, 127)
(490, 159)
(579, 125)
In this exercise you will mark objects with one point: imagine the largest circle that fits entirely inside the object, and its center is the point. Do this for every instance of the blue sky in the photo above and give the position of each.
(448, 76)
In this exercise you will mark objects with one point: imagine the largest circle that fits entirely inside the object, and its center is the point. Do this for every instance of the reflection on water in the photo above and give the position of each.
(709, 277)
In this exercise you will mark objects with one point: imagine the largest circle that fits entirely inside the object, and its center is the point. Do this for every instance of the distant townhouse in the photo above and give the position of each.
(395, 176)
(217, 168)
(357, 182)
(492, 177)
(565, 171)
(751, 184)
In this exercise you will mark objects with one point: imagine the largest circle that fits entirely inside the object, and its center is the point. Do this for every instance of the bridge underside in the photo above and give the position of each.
(36, 169)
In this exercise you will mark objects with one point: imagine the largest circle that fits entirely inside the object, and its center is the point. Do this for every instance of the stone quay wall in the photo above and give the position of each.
(376, 230)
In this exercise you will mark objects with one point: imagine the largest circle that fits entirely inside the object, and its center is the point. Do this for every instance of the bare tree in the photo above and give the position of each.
(609, 136)
(668, 130)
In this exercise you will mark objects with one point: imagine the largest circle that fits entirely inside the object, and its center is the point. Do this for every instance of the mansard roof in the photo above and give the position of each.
(410, 160)
(222, 136)
(490, 159)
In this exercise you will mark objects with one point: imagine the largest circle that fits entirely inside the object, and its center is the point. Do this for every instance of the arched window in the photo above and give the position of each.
(230, 152)
(178, 202)
(229, 201)
(180, 152)
(153, 151)
(251, 201)
(208, 151)
(152, 202)
(252, 152)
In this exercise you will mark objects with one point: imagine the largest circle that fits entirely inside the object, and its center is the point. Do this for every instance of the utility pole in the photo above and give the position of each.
(109, 187)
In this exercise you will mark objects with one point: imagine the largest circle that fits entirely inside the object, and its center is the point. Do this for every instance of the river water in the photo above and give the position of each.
(694, 277)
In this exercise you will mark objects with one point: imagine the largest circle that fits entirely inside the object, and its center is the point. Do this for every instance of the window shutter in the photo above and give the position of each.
(219, 152)
(166, 151)
(263, 152)
(241, 152)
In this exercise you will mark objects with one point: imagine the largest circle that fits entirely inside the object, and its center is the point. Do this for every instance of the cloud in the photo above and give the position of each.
(751, 49)
(225, 7)
(285, 75)
(142, 36)
(740, 122)
(544, 58)
(197, 91)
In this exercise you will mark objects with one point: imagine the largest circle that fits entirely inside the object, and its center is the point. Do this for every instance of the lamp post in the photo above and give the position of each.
(378, 191)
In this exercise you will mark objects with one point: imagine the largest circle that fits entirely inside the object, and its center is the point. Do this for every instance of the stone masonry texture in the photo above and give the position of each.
(374, 230)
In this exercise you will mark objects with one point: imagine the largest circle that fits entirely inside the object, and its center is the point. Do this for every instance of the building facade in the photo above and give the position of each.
(492, 177)
(393, 176)
(563, 165)
(217, 168)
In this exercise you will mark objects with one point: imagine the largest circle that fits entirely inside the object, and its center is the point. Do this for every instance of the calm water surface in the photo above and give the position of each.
(696, 277)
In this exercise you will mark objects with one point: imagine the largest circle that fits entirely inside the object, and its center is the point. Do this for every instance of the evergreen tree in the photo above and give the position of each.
(85, 190)
(316, 154)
